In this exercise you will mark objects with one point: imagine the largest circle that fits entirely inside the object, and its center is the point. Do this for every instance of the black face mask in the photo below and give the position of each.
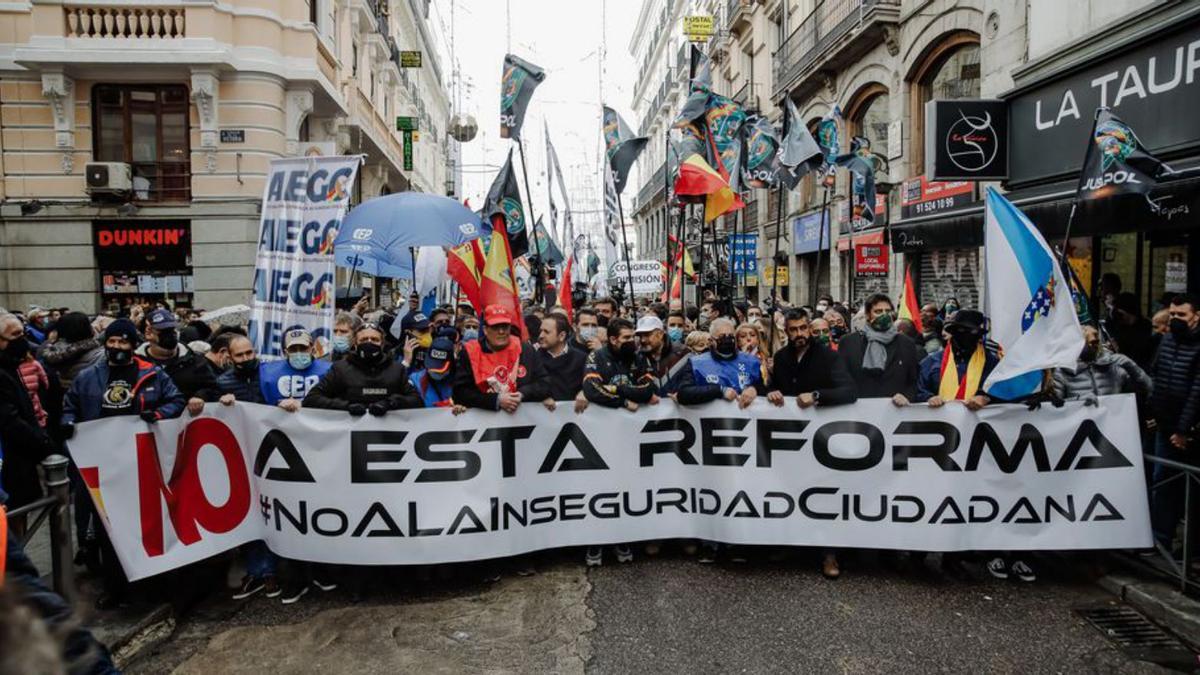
(118, 356)
(837, 332)
(627, 352)
(964, 341)
(1088, 354)
(246, 368)
(1178, 327)
(16, 351)
(368, 352)
(725, 347)
(168, 339)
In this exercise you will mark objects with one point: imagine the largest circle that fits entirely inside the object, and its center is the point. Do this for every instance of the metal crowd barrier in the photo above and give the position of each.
(55, 509)
(1176, 565)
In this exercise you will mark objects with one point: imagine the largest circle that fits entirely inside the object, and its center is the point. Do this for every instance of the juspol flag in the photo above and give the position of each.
(517, 82)
(1116, 162)
(425, 486)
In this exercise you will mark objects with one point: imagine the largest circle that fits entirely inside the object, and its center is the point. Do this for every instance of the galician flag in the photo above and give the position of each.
(1028, 302)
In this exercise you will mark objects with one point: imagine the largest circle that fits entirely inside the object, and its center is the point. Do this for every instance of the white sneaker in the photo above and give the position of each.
(624, 553)
(594, 556)
(997, 568)
(1024, 572)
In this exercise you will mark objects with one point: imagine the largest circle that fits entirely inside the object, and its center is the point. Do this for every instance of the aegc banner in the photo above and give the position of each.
(425, 486)
(303, 204)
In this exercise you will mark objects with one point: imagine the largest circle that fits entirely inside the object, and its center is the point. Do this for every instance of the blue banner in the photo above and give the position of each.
(743, 253)
(806, 233)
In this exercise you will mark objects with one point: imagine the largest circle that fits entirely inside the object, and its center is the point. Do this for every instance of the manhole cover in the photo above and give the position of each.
(1140, 639)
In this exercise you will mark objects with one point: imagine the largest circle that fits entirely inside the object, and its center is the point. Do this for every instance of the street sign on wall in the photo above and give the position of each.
(410, 59)
(699, 28)
(966, 139)
(406, 123)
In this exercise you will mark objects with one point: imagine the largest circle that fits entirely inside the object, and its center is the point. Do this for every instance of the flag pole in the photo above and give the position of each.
(821, 245)
(625, 247)
(774, 263)
(667, 209)
(733, 243)
(538, 295)
(1075, 197)
(700, 271)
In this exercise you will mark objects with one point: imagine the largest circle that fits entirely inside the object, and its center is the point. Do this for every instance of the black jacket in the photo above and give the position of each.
(352, 381)
(533, 384)
(24, 443)
(899, 375)
(609, 381)
(1175, 401)
(564, 373)
(820, 370)
(668, 364)
(188, 370)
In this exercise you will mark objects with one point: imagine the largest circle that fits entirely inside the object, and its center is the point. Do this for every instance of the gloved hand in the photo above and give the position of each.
(1091, 401)
(378, 409)
(68, 431)
(148, 416)
(356, 410)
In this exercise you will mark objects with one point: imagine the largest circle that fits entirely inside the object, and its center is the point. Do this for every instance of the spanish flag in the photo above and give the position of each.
(910, 307)
(498, 284)
(697, 178)
(465, 265)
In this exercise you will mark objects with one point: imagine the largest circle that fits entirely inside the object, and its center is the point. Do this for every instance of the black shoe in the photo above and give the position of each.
(250, 586)
(323, 583)
(271, 587)
(708, 554)
(293, 592)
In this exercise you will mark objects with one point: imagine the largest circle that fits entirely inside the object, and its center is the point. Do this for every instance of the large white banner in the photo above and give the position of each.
(424, 486)
(303, 204)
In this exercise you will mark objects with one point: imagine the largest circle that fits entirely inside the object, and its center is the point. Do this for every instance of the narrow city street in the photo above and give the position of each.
(664, 615)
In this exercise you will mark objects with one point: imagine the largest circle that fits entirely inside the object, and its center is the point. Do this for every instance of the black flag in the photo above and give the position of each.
(799, 153)
(505, 198)
(519, 80)
(861, 164)
(622, 148)
(1117, 163)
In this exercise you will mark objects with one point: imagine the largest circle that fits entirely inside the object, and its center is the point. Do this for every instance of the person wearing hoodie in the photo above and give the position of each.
(74, 347)
(188, 370)
(1100, 372)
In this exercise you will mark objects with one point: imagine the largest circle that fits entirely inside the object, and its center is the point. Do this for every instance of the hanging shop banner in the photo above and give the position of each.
(870, 260)
(807, 236)
(425, 486)
(846, 224)
(303, 205)
(699, 28)
(921, 197)
(743, 253)
(966, 139)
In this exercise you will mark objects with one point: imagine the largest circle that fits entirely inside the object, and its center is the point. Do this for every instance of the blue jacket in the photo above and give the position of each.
(243, 389)
(152, 390)
(280, 381)
(929, 377)
(705, 378)
(433, 394)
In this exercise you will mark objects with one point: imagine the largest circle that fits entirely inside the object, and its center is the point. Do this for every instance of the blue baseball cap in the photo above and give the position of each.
(440, 356)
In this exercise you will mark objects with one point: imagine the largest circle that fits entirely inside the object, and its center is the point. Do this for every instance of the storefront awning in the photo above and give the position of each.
(1049, 207)
(872, 238)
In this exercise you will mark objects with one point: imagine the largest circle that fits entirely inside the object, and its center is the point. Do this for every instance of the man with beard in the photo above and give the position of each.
(188, 370)
(564, 366)
(664, 357)
(499, 371)
(587, 331)
(817, 376)
(616, 376)
(882, 361)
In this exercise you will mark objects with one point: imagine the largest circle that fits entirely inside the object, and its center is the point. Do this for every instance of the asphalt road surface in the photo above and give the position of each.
(663, 615)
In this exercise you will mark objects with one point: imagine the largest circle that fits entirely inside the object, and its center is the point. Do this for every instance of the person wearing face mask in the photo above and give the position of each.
(676, 326)
(587, 331)
(24, 440)
(823, 305)
(344, 325)
(366, 381)
(218, 353)
(122, 384)
(882, 362)
(821, 334)
(665, 358)
(1100, 372)
(839, 322)
(286, 382)
(418, 335)
(468, 330)
(435, 383)
(949, 307)
(242, 382)
(957, 372)
(723, 372)
(187, 369)
(499, 371)
(1175, 406)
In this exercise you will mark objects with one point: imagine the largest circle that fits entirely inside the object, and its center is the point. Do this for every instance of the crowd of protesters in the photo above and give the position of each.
(59, 368)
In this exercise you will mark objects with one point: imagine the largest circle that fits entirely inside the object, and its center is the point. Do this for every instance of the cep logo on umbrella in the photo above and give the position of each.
(362, 233)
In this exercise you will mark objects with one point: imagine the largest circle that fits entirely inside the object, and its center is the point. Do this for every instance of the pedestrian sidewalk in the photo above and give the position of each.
(1165, 605)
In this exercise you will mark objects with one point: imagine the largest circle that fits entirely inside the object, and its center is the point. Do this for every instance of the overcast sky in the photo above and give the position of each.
(564, 38)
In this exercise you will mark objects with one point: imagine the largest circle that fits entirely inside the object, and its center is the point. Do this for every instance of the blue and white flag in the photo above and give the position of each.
(1028, 302)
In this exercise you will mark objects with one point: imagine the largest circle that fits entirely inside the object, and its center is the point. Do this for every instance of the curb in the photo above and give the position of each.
(153, 629)
(1161, 603)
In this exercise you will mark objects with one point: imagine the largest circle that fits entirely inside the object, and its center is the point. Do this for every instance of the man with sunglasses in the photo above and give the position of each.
(500, 371)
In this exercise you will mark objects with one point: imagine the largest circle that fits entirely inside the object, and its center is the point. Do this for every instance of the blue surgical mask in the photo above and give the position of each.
(300, 360)
(470, 334)
(675, 333)
(341, 343)
(588, 333)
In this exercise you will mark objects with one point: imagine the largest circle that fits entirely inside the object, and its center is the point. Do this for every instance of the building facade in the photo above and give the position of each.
(878, 63)
(135, 139)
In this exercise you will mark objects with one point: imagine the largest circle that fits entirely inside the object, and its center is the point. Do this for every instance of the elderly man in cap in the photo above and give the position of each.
(434, 382)
(664, 357)
(121, 384)
(285, 383)
(188, 370)
(500, 371)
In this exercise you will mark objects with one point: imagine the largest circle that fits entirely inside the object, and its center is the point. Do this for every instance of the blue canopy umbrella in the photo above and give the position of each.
(384, 230)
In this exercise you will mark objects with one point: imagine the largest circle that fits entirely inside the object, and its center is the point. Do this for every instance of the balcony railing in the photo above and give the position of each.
(125, 22)
(747, 96)
(737, 12)
(651, 187)
(828, 22)
(169, 181)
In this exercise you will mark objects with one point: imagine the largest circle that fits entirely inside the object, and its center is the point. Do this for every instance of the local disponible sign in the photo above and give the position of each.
(647, 276)
(428, 487)
(870, 260)
(966, 139)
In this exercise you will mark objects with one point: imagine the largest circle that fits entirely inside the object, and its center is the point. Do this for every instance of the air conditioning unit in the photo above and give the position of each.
(108, 178)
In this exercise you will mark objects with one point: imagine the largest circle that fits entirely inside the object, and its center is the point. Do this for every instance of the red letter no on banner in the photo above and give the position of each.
(187, 504)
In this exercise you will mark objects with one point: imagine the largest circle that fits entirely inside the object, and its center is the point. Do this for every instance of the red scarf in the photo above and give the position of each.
(504, 365)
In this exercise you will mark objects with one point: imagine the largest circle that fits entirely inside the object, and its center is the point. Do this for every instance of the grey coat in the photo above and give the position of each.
(1110, 373)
